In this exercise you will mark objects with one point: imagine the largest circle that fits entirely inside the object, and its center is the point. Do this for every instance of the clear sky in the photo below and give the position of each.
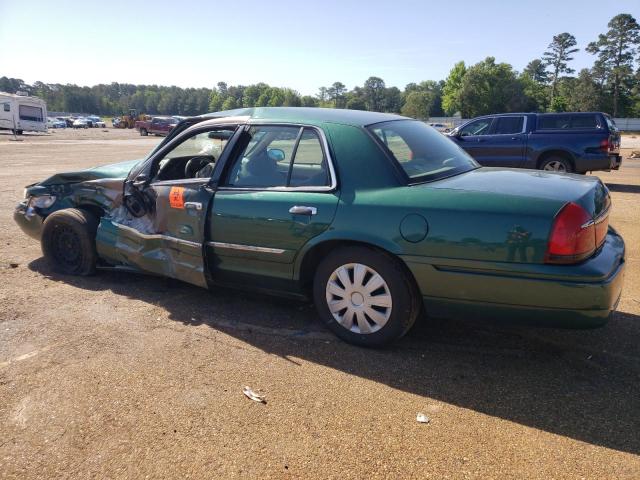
(297, 44)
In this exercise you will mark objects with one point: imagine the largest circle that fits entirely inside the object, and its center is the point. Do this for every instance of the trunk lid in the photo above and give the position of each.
(588, 192)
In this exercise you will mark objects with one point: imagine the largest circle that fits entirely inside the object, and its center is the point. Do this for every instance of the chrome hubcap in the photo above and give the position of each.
(358, 298)
(555, 166)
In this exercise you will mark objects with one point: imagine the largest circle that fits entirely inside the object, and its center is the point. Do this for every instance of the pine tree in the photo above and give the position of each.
(616, 50)
(557, 57)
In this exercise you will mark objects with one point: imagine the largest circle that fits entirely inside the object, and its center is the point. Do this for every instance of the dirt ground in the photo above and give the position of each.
(128, 376)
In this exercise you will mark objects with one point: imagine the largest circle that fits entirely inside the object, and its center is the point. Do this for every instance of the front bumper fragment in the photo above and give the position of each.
(28, 220)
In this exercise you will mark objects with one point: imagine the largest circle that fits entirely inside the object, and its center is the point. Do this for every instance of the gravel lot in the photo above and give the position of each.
(129, 376)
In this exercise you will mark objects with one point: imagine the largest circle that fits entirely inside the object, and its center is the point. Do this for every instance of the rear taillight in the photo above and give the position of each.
(605, 145)
(575, 235)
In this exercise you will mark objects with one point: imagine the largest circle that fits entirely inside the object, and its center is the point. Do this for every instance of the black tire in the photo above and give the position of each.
(143, 132)
(562, 163)
(405, 298)
(17, 132)
(69, 241)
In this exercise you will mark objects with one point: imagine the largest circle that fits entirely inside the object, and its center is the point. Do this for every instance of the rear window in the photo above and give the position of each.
(567, 122)
(611, 123)
(422, 152)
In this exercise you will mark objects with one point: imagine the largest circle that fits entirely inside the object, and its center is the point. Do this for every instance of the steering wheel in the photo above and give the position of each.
(196, 164)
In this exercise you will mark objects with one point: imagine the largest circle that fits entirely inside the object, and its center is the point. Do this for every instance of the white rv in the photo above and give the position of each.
(22, 114)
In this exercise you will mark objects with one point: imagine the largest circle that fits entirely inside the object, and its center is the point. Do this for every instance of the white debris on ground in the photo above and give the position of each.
(253, 395)
(422, 418)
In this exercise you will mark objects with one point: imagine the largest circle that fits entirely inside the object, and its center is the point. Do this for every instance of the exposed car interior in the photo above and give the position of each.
(194, 157)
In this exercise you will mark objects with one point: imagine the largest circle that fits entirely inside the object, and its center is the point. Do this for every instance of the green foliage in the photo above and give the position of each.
(417, 105)
(490, 87)
(336, 94)
(374, 94)
(537, 71)
(557, 57)
(583, 93)
(423, 100)
(615, 52)
(452, 88)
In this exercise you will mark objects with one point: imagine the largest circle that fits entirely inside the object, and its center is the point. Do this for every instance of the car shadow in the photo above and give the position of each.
(623, 188)
(580, 384)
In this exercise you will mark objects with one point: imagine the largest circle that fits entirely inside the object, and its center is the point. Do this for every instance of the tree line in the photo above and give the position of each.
(548, 83)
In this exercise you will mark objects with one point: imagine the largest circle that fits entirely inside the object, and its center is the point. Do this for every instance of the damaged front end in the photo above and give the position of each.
(98, 190)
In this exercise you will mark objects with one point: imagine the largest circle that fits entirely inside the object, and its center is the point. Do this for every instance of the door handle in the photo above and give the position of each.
(301, 210)
(193, 205)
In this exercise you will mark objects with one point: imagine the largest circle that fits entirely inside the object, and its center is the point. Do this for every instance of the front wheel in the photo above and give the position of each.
(556, 164)
(143, 132)
(365, 297)
(69, 241)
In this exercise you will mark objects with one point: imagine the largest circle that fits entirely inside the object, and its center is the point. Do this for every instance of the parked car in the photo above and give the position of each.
(68, 120)
(372, 215)
(96, 122)
(81, 122)
(55, 123)
(156, 126)
(559, 142)
(441, 127)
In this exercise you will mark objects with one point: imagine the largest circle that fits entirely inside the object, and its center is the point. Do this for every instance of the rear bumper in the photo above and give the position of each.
(616, 161)
(593, 162)
(576, 296)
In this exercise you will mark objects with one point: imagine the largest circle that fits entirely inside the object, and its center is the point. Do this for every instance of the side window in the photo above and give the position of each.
(7, 107)
(584, 121)
(33, 114)
(309, 164)
(509, 125)
(479, 127)
(194, 157)
(554, 122)
(279, 156)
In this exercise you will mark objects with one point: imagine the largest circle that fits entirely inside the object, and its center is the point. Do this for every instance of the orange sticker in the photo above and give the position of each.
(176, 197)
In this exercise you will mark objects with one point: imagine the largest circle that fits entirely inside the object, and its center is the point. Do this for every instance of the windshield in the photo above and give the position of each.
(423, 153)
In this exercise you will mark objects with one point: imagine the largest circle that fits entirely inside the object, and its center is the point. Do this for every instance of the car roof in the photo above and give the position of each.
(309, 115)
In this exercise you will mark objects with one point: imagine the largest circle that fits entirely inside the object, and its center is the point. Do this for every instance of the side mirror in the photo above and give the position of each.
(276, 154)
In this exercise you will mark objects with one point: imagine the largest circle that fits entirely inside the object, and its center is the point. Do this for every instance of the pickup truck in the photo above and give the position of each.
(560, 142)
(156, 126)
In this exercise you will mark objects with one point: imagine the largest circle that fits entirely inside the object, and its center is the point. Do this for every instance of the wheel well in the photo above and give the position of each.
(94, 209)
(314, 256)
(556, 153)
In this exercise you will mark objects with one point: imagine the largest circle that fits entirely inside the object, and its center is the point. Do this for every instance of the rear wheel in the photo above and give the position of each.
(556, 164)
(69, 241)
(143, 132)
(365, 297)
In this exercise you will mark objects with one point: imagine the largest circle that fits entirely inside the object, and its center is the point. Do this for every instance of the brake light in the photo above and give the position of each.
(573, 235)
(604, 145)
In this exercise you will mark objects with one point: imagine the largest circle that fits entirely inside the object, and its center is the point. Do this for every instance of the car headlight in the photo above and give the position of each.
(42, 201)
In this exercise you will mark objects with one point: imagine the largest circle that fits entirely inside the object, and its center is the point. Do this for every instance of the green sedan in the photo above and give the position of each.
(375, 217)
